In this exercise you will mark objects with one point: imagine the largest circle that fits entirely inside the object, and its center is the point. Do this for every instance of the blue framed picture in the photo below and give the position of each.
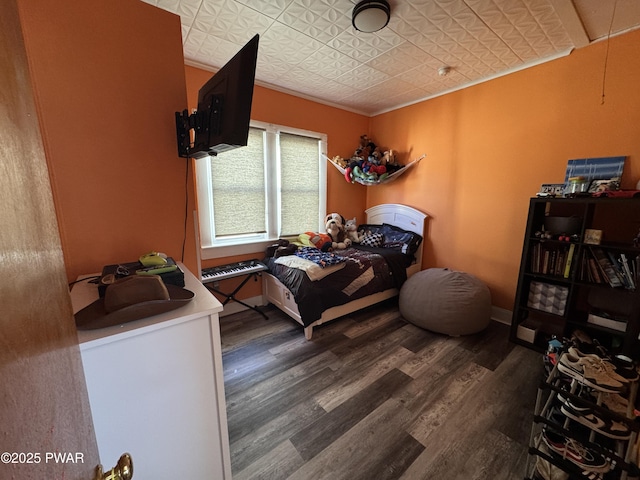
(595, 168)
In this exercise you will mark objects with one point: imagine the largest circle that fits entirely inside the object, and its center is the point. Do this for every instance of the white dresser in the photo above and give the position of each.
(156, 388)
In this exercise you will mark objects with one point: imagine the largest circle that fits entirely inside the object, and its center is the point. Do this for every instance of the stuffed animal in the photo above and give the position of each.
(390, 161)
(367, 150)
(338, 160)
(321, 241)
(388, 157)
(334, 223)
(351, 228)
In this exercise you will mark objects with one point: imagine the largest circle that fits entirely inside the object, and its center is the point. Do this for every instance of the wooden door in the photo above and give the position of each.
(45, 421)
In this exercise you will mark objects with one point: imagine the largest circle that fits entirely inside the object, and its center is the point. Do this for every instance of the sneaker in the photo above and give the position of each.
(575, 452)
(614, 402)
(545, 470)
(579, 407)
(588, 373)
(581, 337)
(585, 416)
(622, 375)
(624, 365)
(611, 401)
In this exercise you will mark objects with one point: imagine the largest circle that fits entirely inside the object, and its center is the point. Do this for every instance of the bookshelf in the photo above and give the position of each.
(584, 278)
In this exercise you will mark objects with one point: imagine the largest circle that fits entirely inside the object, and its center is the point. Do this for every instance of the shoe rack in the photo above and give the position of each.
(561, 285)
(620, 453)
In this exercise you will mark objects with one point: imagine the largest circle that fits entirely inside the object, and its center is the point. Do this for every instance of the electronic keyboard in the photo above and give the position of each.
(222, 272)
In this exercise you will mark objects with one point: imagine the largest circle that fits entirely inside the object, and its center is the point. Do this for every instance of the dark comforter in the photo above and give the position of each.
(367, 270)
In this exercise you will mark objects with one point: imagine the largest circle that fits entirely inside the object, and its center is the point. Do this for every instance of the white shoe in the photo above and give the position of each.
(609, 367)
(592, 374)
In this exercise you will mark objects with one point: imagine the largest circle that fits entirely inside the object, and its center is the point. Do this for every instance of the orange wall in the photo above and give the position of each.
(108, 77)
(490, 147)
(108, 83)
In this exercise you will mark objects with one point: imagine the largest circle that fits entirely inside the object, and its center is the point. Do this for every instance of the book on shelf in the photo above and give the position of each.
(606, 268)
(591, 267)
(616, 263)
(569, 260)
(545, 261)
(535, 257)
(616, 270)
(552, 259)
(628, 276)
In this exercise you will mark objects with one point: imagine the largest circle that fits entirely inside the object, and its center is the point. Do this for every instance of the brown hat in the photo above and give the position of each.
(131, 298)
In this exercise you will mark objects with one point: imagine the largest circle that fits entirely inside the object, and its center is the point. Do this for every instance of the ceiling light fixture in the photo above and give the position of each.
(371, 16)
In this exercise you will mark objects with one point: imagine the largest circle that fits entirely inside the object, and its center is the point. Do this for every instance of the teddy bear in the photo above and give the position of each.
(351, 228)
(338, 160)
(334, 223)
(390, 161)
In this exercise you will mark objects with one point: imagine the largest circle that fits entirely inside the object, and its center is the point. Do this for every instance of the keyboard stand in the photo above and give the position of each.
(232, 295)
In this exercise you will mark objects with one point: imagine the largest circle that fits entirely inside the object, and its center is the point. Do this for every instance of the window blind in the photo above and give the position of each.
(238, 188)
(299, 184)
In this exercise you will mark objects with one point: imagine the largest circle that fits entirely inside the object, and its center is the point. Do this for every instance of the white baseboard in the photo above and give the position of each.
(501, 315)
(235, 307)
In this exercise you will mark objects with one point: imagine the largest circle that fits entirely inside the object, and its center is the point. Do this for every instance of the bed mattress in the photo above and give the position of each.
(366, 270)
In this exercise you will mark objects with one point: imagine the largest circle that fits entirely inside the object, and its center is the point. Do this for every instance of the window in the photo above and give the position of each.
(274, 187)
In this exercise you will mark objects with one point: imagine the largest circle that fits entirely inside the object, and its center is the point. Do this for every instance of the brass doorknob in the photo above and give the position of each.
(122, 471)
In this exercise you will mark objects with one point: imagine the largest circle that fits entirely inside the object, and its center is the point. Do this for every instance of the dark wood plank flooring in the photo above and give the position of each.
(374, 397)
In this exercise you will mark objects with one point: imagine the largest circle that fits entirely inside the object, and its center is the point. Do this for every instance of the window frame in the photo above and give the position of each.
(252, 243)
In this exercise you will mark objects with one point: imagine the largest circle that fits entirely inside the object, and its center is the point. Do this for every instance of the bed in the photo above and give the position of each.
(381, 271)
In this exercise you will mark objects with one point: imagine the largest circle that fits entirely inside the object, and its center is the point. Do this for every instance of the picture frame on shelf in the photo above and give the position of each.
(551, 190)
(605, 185)
(595, 168)
(592, 236)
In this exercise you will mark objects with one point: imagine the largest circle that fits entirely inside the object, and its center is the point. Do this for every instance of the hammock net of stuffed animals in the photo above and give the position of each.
(374, 180)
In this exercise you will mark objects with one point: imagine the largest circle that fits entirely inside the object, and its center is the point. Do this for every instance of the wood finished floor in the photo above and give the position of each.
(374, 397)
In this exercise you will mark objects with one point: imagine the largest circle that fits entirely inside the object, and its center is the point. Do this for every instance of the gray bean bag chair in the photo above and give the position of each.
(446, 301)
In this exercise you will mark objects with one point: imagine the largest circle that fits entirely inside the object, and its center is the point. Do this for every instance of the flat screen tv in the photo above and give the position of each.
(221, 122)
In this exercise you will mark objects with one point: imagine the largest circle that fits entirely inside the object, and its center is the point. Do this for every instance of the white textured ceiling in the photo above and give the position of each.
(309, 47)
